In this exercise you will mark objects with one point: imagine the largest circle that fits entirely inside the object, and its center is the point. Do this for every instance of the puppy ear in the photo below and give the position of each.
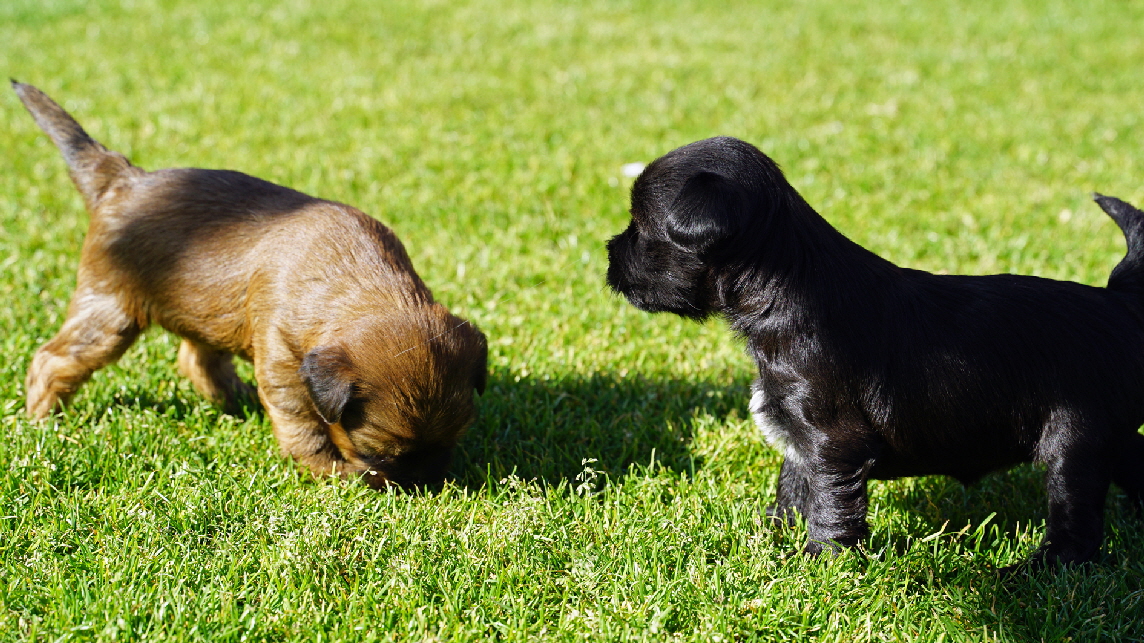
(327, 373)
(708, 209)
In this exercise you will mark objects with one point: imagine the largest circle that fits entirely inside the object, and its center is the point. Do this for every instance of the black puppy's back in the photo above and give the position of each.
(976, 370)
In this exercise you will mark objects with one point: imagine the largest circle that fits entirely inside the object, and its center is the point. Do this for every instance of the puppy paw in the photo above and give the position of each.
(44, 399)
(1034, 565)
(241, 399)
(1042, 560)
(1015, 571)
(39, 400)
(51, 382)
(40, 405)
(815, 548)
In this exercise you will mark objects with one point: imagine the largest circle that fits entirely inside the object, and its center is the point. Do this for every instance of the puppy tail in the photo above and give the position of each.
(93, 168)
(1128, 275)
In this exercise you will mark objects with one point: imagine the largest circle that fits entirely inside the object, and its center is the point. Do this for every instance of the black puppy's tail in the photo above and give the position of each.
(93, 168)
(1128, 275)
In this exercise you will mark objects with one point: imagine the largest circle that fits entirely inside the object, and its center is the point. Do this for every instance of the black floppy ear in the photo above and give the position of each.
(708, 209)
(326, 372)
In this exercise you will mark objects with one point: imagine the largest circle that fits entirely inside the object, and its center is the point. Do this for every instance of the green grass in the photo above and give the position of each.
(612, 487)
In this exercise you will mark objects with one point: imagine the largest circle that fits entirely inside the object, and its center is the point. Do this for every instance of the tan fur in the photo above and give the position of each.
(320, 297)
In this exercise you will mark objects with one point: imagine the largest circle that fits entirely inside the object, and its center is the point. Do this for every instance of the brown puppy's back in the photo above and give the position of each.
(206, 249)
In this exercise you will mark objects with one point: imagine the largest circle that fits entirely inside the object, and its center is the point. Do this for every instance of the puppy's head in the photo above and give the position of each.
(397, 393)
(694, 211)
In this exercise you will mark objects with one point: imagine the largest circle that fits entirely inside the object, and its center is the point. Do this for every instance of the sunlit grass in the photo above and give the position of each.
(613, 485)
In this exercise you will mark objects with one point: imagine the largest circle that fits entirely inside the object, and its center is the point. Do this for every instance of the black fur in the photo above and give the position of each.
(868, 370)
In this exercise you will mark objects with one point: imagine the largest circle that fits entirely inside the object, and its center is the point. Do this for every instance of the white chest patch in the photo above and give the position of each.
(776, 434)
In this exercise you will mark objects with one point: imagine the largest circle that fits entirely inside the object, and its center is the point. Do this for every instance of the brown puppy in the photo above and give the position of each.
(359, 369)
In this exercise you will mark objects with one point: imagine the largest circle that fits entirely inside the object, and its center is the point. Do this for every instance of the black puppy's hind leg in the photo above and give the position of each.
(1077, 482)
(1128, 474)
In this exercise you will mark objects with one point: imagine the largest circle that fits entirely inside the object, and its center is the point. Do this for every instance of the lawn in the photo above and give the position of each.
(613, 485)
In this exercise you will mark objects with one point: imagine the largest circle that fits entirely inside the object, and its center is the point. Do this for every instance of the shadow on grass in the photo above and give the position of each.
(1101, 600)
(179, 403)
(172, 403)
(537, 428)
(1009, 499)
(1015, 501)
(544, 429)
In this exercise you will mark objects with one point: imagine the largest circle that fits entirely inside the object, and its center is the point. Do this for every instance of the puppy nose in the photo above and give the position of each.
(413, 486)
(430, 475)
(423, 471)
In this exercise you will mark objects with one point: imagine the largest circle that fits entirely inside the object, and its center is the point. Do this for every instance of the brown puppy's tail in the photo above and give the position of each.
(1128, 275)
(93, 168)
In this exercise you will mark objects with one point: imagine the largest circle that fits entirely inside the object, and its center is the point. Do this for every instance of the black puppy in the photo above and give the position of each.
(868, 370)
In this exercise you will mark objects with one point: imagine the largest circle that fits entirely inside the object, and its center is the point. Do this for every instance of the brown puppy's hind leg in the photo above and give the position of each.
(212, 373)
(97, 332)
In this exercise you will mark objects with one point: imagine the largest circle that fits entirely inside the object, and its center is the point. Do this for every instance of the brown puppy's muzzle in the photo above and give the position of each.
(413, 471)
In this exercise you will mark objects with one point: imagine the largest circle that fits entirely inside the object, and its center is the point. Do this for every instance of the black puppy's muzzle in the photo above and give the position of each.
(620, 259)
(647, 274)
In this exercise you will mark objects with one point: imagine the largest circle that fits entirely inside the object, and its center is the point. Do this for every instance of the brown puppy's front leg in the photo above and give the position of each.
(212, 373)
(301, 433)
(97, 332)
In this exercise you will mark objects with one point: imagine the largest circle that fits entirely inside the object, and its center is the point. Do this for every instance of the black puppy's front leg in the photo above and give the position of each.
(836, 461)
(823, 476)
(836, 507)
(793, 491)
(830, 493)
